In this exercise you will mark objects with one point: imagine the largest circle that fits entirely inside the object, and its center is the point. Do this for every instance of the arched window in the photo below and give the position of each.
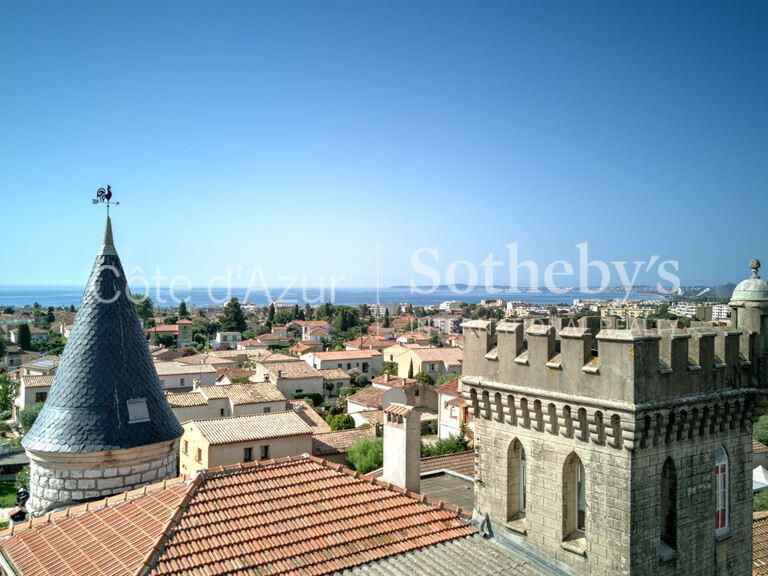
(668, 509)
(516, 474)
(574, 498)
(722, 492)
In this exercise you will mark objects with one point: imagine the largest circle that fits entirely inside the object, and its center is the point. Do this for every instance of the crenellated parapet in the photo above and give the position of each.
(623, 388)
(628, 366)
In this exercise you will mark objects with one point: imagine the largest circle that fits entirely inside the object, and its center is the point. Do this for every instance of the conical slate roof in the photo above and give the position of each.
(105, 369)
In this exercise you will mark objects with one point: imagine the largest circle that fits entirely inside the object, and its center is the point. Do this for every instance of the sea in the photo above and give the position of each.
(204, 297)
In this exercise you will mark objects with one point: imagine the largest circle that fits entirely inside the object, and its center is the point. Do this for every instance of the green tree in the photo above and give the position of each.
(444, 377)
(3, 346)
(72, 308)
(446, 446)
(410, 370)
(50, 317)
(386, 318)
(22, 478)
(424, 378)
(28, 416)
(271, 313)
(760, 429)
(24, 337)
(145, 309)
(55, 345)
(341, 422)
(233, 318)
(183, 310)
(295, 311)
(366, 454)
(760, 501)
(390, 367)
(7, 393)
(163, 340)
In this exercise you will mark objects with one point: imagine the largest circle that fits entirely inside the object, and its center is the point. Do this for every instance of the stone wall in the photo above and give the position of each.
(605, 549)
(58, 480)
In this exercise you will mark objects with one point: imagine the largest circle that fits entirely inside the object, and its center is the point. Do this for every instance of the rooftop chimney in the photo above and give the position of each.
(402, 446)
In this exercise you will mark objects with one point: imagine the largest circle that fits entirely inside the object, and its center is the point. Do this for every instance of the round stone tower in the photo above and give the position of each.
(749, 312)
(106, 426)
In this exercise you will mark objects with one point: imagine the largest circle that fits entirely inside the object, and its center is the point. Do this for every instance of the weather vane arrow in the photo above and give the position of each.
(104, 196)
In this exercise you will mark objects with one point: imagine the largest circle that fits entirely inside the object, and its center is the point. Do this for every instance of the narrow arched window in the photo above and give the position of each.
(574, 498)
(668, 509)
(722, 489)
(516, 475)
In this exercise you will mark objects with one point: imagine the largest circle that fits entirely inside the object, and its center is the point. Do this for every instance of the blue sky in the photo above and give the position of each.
(299, 136)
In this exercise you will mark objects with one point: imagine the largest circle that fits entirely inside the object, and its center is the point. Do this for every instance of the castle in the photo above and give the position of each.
(622, 451)
(106, 426)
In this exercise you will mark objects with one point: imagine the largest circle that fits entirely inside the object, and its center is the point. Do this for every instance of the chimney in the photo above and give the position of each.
(402, 446)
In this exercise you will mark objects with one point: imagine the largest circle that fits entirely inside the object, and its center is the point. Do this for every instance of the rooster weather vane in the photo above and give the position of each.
(104, 196)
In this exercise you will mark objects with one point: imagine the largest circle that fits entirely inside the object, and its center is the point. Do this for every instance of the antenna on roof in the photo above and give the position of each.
(104, 196)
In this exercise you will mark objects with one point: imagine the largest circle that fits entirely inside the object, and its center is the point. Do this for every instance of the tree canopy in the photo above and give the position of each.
(233, 318)
(28, 416)
(183, 310)
(24, 337)
(366, 454)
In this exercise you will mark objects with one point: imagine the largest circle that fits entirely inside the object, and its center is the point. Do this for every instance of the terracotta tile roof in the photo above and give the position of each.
(347, 354)
(333, 374)
(373, 417)
(299, 516)
(172, 368)
(339, 442)
(37, 381)
(450, 388)
(233, 373)
(251, 393)
(310, 323)
(450, 356)
(760, 543)
(309, 415)
(252, 427)
(301, 348)
(370, 397)
(759, 447)
(251, 342)
(292, 370)
(369, 342)
(185, 399)
(113, 536)
(267, 357)
(387, 379)
(461, 462)
(163, 328)
(198, 359)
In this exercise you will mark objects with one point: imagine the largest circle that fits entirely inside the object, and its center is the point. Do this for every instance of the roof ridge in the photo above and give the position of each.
(151, 558)
(230, 418)
(446, 454)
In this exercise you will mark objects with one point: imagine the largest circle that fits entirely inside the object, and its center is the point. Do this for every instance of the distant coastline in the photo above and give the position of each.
(198, 296)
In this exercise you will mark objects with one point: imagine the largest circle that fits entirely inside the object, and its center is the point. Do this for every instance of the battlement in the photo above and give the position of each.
(629, 366)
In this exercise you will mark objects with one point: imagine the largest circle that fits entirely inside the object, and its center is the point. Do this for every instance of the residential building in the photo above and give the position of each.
(291, 378)
(181, 331)
(32, 390)
(224, 400)
(312, 330)
(300, 348)
(450, 306)
(242, 439)
(334, 379)
(368, 343)
(227, 341)
(180, 376)
(453, 412)
(14, 357)
(417, 394)
(36, 335)
(429, 360)
(365, 362)
(251, 344)
(42, 366)
(105, 426)
(446, 323)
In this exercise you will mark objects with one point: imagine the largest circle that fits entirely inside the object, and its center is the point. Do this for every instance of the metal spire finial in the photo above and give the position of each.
(754, 264)
(104, 196)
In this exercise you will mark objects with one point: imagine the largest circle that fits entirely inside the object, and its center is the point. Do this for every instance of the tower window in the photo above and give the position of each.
(668, 510)
(516, 476)
(722, 485)
(137, 410)
(574, 498)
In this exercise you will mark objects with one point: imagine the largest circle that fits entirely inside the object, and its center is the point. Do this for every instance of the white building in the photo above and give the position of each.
(226, 340)
(175, 375)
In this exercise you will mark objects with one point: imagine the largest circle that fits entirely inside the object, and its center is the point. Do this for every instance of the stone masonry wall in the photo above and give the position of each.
(607, 483)
(699, 553)
(56, 486)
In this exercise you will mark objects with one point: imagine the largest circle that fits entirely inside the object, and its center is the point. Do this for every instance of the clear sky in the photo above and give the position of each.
(299, 136)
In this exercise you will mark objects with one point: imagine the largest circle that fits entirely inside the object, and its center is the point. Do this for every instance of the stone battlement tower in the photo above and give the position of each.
(626, 452)
(106, 426)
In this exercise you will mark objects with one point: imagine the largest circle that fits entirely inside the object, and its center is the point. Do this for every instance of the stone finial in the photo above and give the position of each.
(754, 265)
